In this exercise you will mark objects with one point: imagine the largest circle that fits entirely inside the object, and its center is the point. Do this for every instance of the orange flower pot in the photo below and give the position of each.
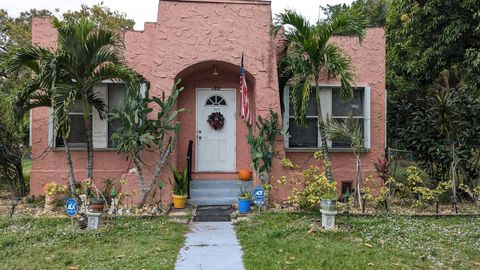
(179, 201)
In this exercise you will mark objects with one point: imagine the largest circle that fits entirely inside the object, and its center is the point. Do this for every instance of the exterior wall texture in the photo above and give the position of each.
(188, 39)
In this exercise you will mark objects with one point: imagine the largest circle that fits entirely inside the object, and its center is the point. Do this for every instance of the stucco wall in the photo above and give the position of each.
(189, 34)
(368, 59)
(186, 33)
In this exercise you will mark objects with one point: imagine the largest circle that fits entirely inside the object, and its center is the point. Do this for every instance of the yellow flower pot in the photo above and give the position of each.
(179, 201)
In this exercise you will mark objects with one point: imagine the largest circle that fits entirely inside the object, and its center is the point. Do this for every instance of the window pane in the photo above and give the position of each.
(116, 93)
(353, 107)
(78, 135)
(344, 143)
(311, 106)
(303, 136)
(112, 127)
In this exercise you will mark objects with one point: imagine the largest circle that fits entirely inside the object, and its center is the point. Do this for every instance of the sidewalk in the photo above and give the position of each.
(211, 246)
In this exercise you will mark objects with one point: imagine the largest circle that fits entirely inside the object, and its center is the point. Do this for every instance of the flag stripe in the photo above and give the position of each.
(245, 110)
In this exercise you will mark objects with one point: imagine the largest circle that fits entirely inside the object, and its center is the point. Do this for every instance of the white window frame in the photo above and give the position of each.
(326, 103)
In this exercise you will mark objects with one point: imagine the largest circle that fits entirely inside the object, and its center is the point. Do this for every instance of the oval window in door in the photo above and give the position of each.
(216, 100)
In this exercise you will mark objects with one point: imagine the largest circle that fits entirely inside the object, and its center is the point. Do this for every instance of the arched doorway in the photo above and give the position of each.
(211, 91)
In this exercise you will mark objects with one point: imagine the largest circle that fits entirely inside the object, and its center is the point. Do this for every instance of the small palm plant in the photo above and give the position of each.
(351, 132)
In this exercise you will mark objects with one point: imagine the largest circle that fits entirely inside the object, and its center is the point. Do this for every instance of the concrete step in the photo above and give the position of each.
(213, 200)
(214, 192)
(219, 184)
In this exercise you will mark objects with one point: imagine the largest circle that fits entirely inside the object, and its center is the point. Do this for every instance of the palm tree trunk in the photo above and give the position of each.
(71, 177)
(88, 127)
(22, 189)
(358, 181)
(321, 130)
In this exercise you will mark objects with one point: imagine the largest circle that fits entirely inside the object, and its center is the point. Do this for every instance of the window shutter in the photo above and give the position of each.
(367, 102)
(326, 105)
(99, 126)
(51, 128)
(143, 90)
(286, 121)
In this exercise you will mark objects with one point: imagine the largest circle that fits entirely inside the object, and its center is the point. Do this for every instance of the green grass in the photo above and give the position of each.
(294, 241)
(124, 243)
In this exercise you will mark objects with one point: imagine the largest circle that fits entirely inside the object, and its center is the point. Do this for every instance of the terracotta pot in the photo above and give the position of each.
(97, 208)
(245, 174)
(179, 201)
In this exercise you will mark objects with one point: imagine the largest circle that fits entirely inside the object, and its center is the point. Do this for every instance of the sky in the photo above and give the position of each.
(146, 10)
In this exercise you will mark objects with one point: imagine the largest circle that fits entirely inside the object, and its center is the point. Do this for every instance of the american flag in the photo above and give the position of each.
(245, 110)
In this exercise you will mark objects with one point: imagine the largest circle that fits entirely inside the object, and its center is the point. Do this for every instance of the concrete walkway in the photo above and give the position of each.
(211, 246)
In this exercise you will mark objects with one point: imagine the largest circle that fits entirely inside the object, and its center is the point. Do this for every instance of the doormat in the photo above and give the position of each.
(217, 213)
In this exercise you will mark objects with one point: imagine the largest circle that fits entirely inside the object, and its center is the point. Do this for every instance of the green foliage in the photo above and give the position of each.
(262, 145)
(245, 193)
(374, 10)
(137, 131)
(348, 130)
(314, 186)
(180, 181)
(102, 16)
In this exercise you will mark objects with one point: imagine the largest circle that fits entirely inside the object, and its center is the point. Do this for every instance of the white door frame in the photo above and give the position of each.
(234, 139)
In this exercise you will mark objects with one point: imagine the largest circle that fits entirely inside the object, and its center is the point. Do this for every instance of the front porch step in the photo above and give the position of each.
(216, 192)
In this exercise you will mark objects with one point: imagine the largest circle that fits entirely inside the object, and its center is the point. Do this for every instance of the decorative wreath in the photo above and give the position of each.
(216, 120)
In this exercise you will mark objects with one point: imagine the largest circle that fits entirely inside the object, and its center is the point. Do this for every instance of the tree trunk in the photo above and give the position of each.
(358, 181)
(22, 189)
(88, 128)
(321, 130)
(71, 177)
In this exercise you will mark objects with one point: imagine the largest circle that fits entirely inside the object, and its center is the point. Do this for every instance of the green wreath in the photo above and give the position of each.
(216, 120)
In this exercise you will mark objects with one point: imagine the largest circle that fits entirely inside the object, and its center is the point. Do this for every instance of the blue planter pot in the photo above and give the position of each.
(244, 205)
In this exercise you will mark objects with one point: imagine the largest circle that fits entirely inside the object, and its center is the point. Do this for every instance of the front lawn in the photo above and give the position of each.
(123, 243)
(295, 241)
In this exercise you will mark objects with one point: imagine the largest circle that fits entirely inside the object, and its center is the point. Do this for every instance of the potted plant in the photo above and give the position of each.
(53, 191)
(180, 188)
(244, 200)
(97, 204)
(329, 201)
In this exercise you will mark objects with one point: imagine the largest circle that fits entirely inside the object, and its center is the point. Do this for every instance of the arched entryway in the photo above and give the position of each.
(211, 90)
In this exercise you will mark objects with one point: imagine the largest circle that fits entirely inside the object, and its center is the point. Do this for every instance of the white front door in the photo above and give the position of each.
(215, 148)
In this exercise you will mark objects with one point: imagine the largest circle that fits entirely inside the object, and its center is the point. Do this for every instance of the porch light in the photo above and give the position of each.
(215, 73)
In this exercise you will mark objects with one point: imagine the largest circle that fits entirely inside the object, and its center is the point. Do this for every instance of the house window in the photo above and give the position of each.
(307, 136)
(116, 93)
(102, 129)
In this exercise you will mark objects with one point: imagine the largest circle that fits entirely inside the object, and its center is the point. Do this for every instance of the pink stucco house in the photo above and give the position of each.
(201, 42)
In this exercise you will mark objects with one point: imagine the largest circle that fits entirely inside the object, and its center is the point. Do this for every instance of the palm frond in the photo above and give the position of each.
(338, 64)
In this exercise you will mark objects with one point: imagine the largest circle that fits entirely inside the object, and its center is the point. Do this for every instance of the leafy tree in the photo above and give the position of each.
(308, 53)
(375, 11)
(85, 57)
(102, 16)
(137, 132)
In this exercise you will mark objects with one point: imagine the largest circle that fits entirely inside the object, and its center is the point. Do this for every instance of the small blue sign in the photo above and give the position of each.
(72, 207)
(259, 195)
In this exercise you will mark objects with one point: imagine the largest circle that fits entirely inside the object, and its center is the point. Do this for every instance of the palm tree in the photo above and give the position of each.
(85, 56)
(308, 53)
